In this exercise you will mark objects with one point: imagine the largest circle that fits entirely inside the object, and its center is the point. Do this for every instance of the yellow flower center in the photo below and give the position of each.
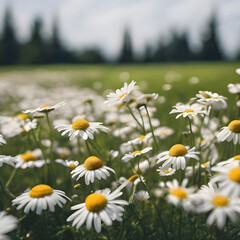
(22, 116)
(44, 106)
(220, 201)
(92, 163)
(133, 178)
(163, 132)
(205, 164)
(63, 154)
(166, 171)
(95, 202)
(205, 95)
(123, 95)
(40, 190)
(80, 124)
(188, 110)
(179, 193)
(237, 157)
(234, 174)
(134, 153)
(234, 126)
(142, 137)
(177, 150)
(72, 166)
(28, 157)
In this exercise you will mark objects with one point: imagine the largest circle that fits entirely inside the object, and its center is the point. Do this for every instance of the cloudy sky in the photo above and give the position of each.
(86, 23)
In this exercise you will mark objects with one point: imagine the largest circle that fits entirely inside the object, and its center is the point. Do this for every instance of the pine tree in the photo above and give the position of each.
(34, 51)
(9, 47)
(126, 54)
(211, 49)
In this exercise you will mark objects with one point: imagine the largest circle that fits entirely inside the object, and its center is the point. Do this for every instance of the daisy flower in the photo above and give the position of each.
(121, 95)
(177, 156)
(141, 167)
(187, 110)
(70, 164)
(228, 178)
(30, 159)
(229, 161)
(45, 108)
(8, 160)
(215, 100)
(40, 197)
(92, 168)
(163, 132)
(132, 155)
(81, 127)
(2, 140)
(166, 172)
(141, 196)
(180, 195)
(234, 88)
(209, 198)
(98, 206)
(143, 139)
(7, 224)
(231, 132)
(63, 152)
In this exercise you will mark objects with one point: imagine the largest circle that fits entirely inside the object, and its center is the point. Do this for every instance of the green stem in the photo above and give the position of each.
(180, 225)
(191, 131)
(8, 194)
(96, 148)
(150, 123)
(11, 177)
(143, 124)
(88, 148)
(158, 212)
(135, 118)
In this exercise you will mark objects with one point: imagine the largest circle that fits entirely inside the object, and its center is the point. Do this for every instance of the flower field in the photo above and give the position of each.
(120, 152)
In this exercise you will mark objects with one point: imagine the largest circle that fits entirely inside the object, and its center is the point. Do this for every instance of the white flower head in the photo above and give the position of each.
(30, 159)
(129, 156)
(2, 140)
(82, 128)
(141, 196)
(189, 111)
(163, 132)
(180, 194)
(121, 95)
(166, 171)
(177, 156)
(228, 178)
(7, 224)
(40, 197)
(45, 108)
(234, 88)
(7, 160)
(68, 163)
(92, 168)
(231, 132)
(215, 100)
(101, 206)
(210, 198)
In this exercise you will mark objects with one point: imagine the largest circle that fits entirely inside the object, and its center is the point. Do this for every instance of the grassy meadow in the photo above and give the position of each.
(150, 216)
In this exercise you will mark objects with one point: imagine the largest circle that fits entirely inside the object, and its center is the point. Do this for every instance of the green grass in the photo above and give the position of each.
(213, 76)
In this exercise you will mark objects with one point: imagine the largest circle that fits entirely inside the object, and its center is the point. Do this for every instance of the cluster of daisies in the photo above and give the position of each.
(182, 168)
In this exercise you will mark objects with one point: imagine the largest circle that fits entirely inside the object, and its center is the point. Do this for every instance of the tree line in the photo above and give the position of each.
(39, 50)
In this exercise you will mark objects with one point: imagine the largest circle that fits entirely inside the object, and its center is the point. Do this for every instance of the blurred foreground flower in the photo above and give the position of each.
(7, 224)
(220, 204)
